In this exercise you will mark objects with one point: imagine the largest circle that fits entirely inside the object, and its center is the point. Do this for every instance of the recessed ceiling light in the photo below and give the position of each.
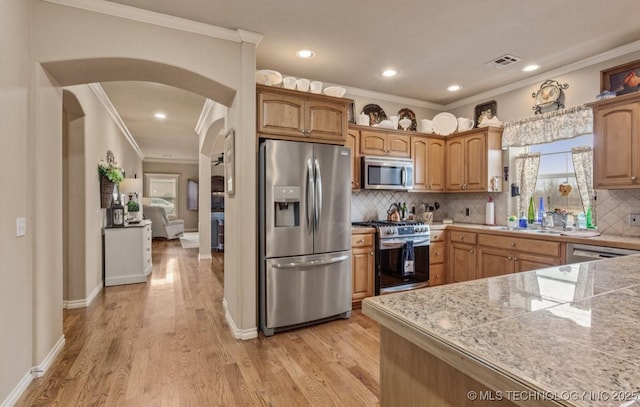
(305, 53)
(531, 68)
(454, 88)
(160, 115)
(389, 73)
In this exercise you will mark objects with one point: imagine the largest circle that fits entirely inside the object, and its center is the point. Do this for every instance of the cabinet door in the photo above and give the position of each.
(527, 262)
(494, 262)
(362, 274)
(475, 153)
(353, 142)
(419, 156)
(398, 145)
(616, 156)
(280, 114)
(372, 143)
(326, 121)
(436, 274)
(455, 164)
(462, 262)
(435, 165)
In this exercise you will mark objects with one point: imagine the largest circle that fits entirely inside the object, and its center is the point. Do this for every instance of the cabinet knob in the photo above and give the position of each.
(515, 259)
(513, 245)
(461, 237)
(361, 241)
(472, 251)
(509, 258)
(371, 253)
(437, 253)
(634, 178)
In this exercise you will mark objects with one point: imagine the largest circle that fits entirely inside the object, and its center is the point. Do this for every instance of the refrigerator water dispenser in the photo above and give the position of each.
(287, 206)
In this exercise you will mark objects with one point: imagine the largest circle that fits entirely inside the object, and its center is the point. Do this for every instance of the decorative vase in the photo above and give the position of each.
(106, 192)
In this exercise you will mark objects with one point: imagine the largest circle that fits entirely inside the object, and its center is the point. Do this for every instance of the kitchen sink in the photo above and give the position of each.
(541, 231)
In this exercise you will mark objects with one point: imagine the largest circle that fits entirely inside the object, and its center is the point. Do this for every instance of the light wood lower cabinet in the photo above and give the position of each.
(437, 258)
(362, 267)
(478, 255)
(462, 256)
(498, 255)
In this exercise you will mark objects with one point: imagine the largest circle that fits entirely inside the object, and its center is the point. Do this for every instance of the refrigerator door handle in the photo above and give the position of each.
(313, 263)
(310, 191)
(318, 203)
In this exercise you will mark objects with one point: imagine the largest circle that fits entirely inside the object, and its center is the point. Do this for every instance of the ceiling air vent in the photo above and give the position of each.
(504, 61)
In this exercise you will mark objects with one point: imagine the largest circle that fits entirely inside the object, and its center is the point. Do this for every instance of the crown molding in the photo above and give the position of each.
(159, 19)
(102, 96)
(584, 63)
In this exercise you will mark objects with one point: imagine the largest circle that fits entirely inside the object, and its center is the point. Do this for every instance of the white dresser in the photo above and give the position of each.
(127, 254)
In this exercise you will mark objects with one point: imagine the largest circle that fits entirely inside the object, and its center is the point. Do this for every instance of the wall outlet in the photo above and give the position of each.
(466, 212)
(634, 219)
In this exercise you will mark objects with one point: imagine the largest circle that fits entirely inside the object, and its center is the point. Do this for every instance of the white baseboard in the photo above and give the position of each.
(244, 334)
(204, 257)
(41, 369)
(17, 391)
(85, 302)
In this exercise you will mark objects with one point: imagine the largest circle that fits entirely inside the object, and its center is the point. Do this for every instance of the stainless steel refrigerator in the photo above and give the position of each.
(305, 234)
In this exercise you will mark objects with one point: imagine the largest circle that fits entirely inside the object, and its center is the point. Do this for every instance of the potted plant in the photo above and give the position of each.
(133, 207)
(110, 175)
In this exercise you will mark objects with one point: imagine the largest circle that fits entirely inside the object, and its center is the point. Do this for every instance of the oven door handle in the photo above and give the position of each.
(398, 242)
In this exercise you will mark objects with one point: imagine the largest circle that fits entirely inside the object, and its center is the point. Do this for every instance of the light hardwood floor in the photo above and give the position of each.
(166, 343)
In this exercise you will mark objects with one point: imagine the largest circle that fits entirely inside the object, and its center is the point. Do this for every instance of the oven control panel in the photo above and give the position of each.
(413, 230)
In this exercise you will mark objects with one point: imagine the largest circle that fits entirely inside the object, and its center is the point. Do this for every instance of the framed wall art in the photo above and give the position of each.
(488, 110)
(230, 161)
(621, 79)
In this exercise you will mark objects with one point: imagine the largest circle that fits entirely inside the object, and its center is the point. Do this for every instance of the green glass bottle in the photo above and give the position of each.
(531, 213)
(590, 219)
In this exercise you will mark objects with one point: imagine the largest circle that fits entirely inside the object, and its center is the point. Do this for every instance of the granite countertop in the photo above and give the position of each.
(564, 329)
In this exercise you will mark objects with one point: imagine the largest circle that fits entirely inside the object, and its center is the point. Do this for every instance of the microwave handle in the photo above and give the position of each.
(403, 176)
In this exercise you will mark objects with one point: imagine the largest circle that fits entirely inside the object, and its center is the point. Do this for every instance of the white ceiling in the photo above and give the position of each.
(432, 44)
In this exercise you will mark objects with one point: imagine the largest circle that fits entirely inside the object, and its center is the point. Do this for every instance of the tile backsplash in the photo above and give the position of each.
(372, 204)
(612, 207)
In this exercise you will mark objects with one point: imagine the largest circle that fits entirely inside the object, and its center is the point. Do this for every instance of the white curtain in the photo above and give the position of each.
(548, 127)
(527, 173)
(583, 165)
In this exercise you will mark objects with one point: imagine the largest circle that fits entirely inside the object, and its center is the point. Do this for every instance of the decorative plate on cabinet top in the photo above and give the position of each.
(268, 77)
(408, 113)
(444, 123)
(375, 113)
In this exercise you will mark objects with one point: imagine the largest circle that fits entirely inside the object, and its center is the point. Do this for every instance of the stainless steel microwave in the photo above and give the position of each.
(387, 173)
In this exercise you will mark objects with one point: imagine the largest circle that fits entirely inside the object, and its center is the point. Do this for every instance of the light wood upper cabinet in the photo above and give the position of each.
(353, 142)
(616, 129)
(473, 159)
(294, 115)
(428, 155)
(384, 144)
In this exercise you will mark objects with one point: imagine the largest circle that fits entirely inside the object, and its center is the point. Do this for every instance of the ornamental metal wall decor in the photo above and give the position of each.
(549, 97)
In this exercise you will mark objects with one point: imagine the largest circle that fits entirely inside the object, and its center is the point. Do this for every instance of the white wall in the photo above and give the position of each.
(100, 135)
(16, 297)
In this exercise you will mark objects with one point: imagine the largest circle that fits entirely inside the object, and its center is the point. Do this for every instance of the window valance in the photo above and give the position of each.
(547, 127)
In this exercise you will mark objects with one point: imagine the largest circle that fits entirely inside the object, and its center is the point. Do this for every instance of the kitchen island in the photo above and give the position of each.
(560, 336)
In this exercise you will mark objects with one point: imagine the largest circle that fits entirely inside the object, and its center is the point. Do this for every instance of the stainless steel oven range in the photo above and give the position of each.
(396, 242)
